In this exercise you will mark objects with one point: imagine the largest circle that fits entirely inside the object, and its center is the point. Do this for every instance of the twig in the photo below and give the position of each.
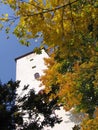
(51, 10)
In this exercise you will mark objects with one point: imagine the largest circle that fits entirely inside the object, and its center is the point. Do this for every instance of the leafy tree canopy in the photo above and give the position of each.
(28, 112)
(69, 29)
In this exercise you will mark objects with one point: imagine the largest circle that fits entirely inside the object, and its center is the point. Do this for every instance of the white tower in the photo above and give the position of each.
(28, 68)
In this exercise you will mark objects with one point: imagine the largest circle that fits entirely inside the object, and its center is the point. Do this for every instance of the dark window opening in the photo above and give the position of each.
(33, 67)
(37, 75)
(31, 59)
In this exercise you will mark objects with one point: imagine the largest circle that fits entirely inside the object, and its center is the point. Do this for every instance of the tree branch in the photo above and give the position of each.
(51, 10)
(72, 20)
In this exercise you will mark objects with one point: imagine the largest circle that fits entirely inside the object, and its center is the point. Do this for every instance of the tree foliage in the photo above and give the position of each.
(28, 112)
(38, 111)
(69, 29)
(7, 105)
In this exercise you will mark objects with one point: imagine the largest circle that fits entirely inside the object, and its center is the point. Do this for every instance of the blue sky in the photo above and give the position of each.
(9, 50)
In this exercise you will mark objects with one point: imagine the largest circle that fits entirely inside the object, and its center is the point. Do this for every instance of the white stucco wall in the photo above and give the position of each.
(25, 73)
(26, 67)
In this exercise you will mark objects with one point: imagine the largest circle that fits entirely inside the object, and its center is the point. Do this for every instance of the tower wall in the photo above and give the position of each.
(28, 67)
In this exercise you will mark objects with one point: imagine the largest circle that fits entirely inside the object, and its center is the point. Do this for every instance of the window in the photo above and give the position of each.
(31, 59)
(33, 66)
(37, 75)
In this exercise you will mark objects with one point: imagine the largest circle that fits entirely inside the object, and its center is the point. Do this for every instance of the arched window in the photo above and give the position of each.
(37, 75)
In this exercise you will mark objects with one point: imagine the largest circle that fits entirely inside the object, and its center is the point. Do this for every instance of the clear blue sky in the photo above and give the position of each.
(9, 50)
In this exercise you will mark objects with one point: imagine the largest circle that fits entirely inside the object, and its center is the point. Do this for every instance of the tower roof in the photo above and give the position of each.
(29, 54)
(24, 55)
